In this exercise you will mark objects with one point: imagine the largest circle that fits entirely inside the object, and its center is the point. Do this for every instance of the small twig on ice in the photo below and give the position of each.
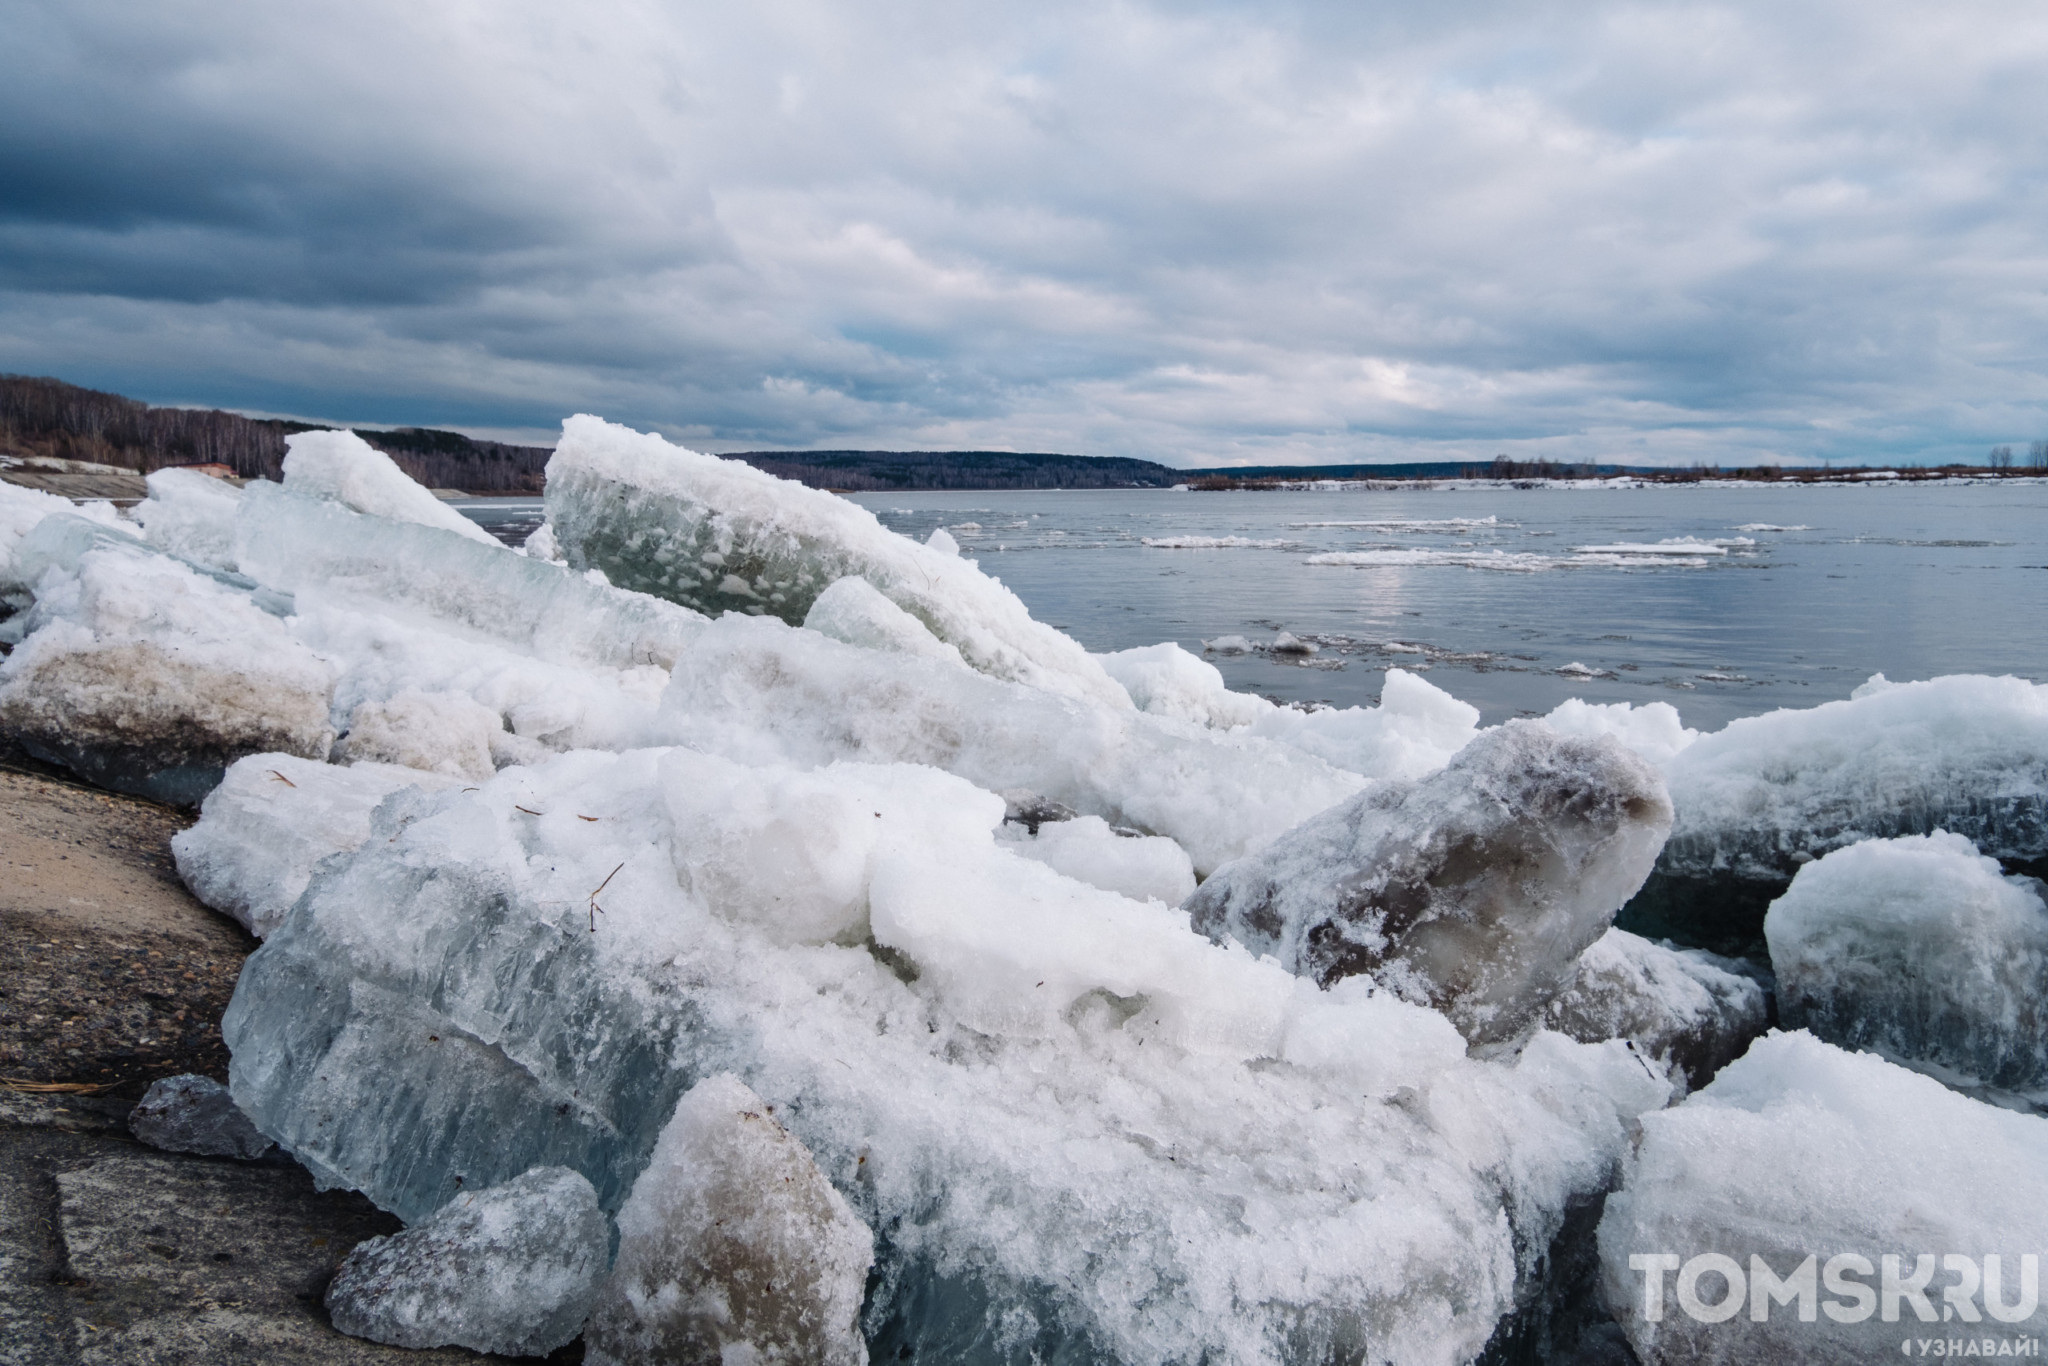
(281, 778)
(595, 909)
(528, 810)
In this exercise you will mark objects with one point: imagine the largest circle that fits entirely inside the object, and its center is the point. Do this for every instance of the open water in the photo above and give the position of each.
(1517, 598)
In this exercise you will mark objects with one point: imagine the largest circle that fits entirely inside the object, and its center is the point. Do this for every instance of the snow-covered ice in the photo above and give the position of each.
(191, 515)
(720, 535)
(271, 819)
(342, 467)
(1861, 1183)
(759, 692)
(733, 1247)
(147, 676)
(1919, 948)
(910, 879)
(510, 1269)
(1068, 1117)
(1762, 796)
(1474, 890)
(1087, 849)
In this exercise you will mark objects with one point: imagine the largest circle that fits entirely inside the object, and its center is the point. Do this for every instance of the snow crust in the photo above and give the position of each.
(343, 468)
(1166, 680)
(1802, 1149)
(1087, 849)
(1922, 950)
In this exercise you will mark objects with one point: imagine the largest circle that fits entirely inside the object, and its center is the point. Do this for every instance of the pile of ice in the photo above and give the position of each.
(905, 885)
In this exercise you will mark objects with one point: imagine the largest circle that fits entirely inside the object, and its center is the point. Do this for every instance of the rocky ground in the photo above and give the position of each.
(112, 976)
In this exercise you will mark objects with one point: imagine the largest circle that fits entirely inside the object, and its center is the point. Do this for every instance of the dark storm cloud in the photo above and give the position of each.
(1202, 233)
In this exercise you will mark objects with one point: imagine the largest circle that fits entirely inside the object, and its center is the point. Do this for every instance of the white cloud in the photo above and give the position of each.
(1202, 234)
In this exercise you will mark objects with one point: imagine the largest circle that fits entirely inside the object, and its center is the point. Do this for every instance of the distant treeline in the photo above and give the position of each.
(881, 471)
(47, 417)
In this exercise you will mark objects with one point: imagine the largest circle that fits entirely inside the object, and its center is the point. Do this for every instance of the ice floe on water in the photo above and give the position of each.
(746, 926)
(1212, 543)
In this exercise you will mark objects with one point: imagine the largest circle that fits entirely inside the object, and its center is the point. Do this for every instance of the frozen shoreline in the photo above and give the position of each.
(825, 810)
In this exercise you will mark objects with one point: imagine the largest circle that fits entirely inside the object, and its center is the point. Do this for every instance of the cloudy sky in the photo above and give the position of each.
(1208, 234)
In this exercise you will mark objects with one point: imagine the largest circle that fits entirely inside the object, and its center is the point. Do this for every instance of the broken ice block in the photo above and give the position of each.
(144, 675)
(194, 1114)
(1473, 890)
(1685, 1008)
(1754, 801)
(733, 1247)
(1920, 949)
(273, 817)
(192, 516)
(511, 1269)
(719, 535)
(344, 468)
(1816, 1205)
(289, 543)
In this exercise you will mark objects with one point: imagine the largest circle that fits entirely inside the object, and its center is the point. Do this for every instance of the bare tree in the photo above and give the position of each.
(2037, 455)
(2001, 457)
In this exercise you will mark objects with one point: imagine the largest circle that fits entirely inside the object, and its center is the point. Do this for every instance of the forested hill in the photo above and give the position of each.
(47, 417)
(869, 471)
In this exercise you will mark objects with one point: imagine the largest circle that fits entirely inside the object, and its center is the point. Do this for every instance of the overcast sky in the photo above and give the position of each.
(1207, 234)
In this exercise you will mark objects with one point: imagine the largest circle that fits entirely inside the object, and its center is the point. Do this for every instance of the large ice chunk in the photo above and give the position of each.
(452, 584)
(1169, 681)
(757, 691)
(1074, 1125)
(344, 468)
(511, 1269)
(1474, 890)
(733, 1247)
(720, 535)
(147, 677)
(1686, 1008)
(273, 817)
(1755, 800)
(191, 515)
(1814, 1205)
(1920, 949)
